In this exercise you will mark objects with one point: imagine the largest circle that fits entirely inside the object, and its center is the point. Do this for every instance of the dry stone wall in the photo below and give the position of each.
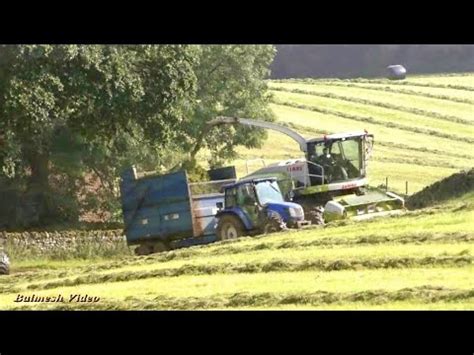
(61, 240)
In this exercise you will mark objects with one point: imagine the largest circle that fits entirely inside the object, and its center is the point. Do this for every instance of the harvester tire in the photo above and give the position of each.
(4, 264)
(274, 223)
(229, 227)
(315, 215)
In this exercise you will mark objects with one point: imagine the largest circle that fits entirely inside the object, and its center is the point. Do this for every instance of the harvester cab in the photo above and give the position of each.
(338, 161)
(256, 206)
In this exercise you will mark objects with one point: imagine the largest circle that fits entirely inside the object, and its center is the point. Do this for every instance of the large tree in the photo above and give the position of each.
(67, 112)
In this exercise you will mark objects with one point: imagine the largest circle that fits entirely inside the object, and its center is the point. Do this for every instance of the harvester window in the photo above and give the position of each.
(352, 152)
(335, 149)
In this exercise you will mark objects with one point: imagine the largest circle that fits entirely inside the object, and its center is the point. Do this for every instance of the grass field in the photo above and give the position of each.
(419, 260)
(423, 259)
(423, 126)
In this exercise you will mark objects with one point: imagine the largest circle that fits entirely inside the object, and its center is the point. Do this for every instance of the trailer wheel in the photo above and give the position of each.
(4, 264)
(274, 223)
(229, 227)
(160, 247)
(144, 249)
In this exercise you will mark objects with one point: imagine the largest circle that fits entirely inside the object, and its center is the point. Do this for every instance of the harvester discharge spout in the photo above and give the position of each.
(262, 124)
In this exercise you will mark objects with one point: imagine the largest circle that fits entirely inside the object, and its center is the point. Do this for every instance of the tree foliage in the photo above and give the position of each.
(70, 114)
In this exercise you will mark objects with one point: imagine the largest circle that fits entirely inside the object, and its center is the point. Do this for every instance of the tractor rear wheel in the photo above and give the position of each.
(4, 264)
(229, 227)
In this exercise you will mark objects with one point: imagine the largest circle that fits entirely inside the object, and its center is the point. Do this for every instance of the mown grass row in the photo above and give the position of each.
(440, 226)
(255, 268)
(426, 294)
(375, 121)
(408, 155)
(383, 116)
(401, 90)
(432, 152)
(290, 244)
(374, 251)
(425, 83)
(299, 117)
(329, 244)
(237, 248)
(392, 144)
(467, 79)
(417, 162)
(397, 107)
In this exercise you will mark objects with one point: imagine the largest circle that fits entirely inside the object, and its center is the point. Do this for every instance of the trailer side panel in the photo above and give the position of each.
(156, 207)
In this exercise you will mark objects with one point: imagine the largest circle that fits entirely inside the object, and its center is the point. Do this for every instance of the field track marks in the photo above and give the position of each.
(412, 110)
(274, 265)
(423, 294)
(310, 131)
(390, 82)
(402, 90)
(368, 119)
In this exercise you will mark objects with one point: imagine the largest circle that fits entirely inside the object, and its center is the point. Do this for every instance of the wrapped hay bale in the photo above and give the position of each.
(396, 72)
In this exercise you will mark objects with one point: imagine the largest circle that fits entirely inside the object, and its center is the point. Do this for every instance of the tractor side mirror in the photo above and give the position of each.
(219, 205)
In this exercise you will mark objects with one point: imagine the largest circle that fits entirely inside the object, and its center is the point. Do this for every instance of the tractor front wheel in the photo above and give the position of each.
(229, 227)
(274, 223)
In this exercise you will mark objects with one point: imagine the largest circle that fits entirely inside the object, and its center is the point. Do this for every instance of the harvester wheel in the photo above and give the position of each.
(315, 215)
(229, 227)
(274, 223)
(4, 264)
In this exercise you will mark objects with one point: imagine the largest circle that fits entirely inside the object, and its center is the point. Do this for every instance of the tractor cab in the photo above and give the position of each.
(256, 206)
(338, 158)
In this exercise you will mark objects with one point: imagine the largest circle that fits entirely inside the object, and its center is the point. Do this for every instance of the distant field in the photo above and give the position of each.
(423, 126)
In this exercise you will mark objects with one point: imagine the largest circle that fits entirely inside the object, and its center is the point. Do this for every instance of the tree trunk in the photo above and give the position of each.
(35, 208)
(39, 163)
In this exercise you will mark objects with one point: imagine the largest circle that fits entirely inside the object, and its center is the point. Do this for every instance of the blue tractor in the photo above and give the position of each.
(163, 212)
(255, 206)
